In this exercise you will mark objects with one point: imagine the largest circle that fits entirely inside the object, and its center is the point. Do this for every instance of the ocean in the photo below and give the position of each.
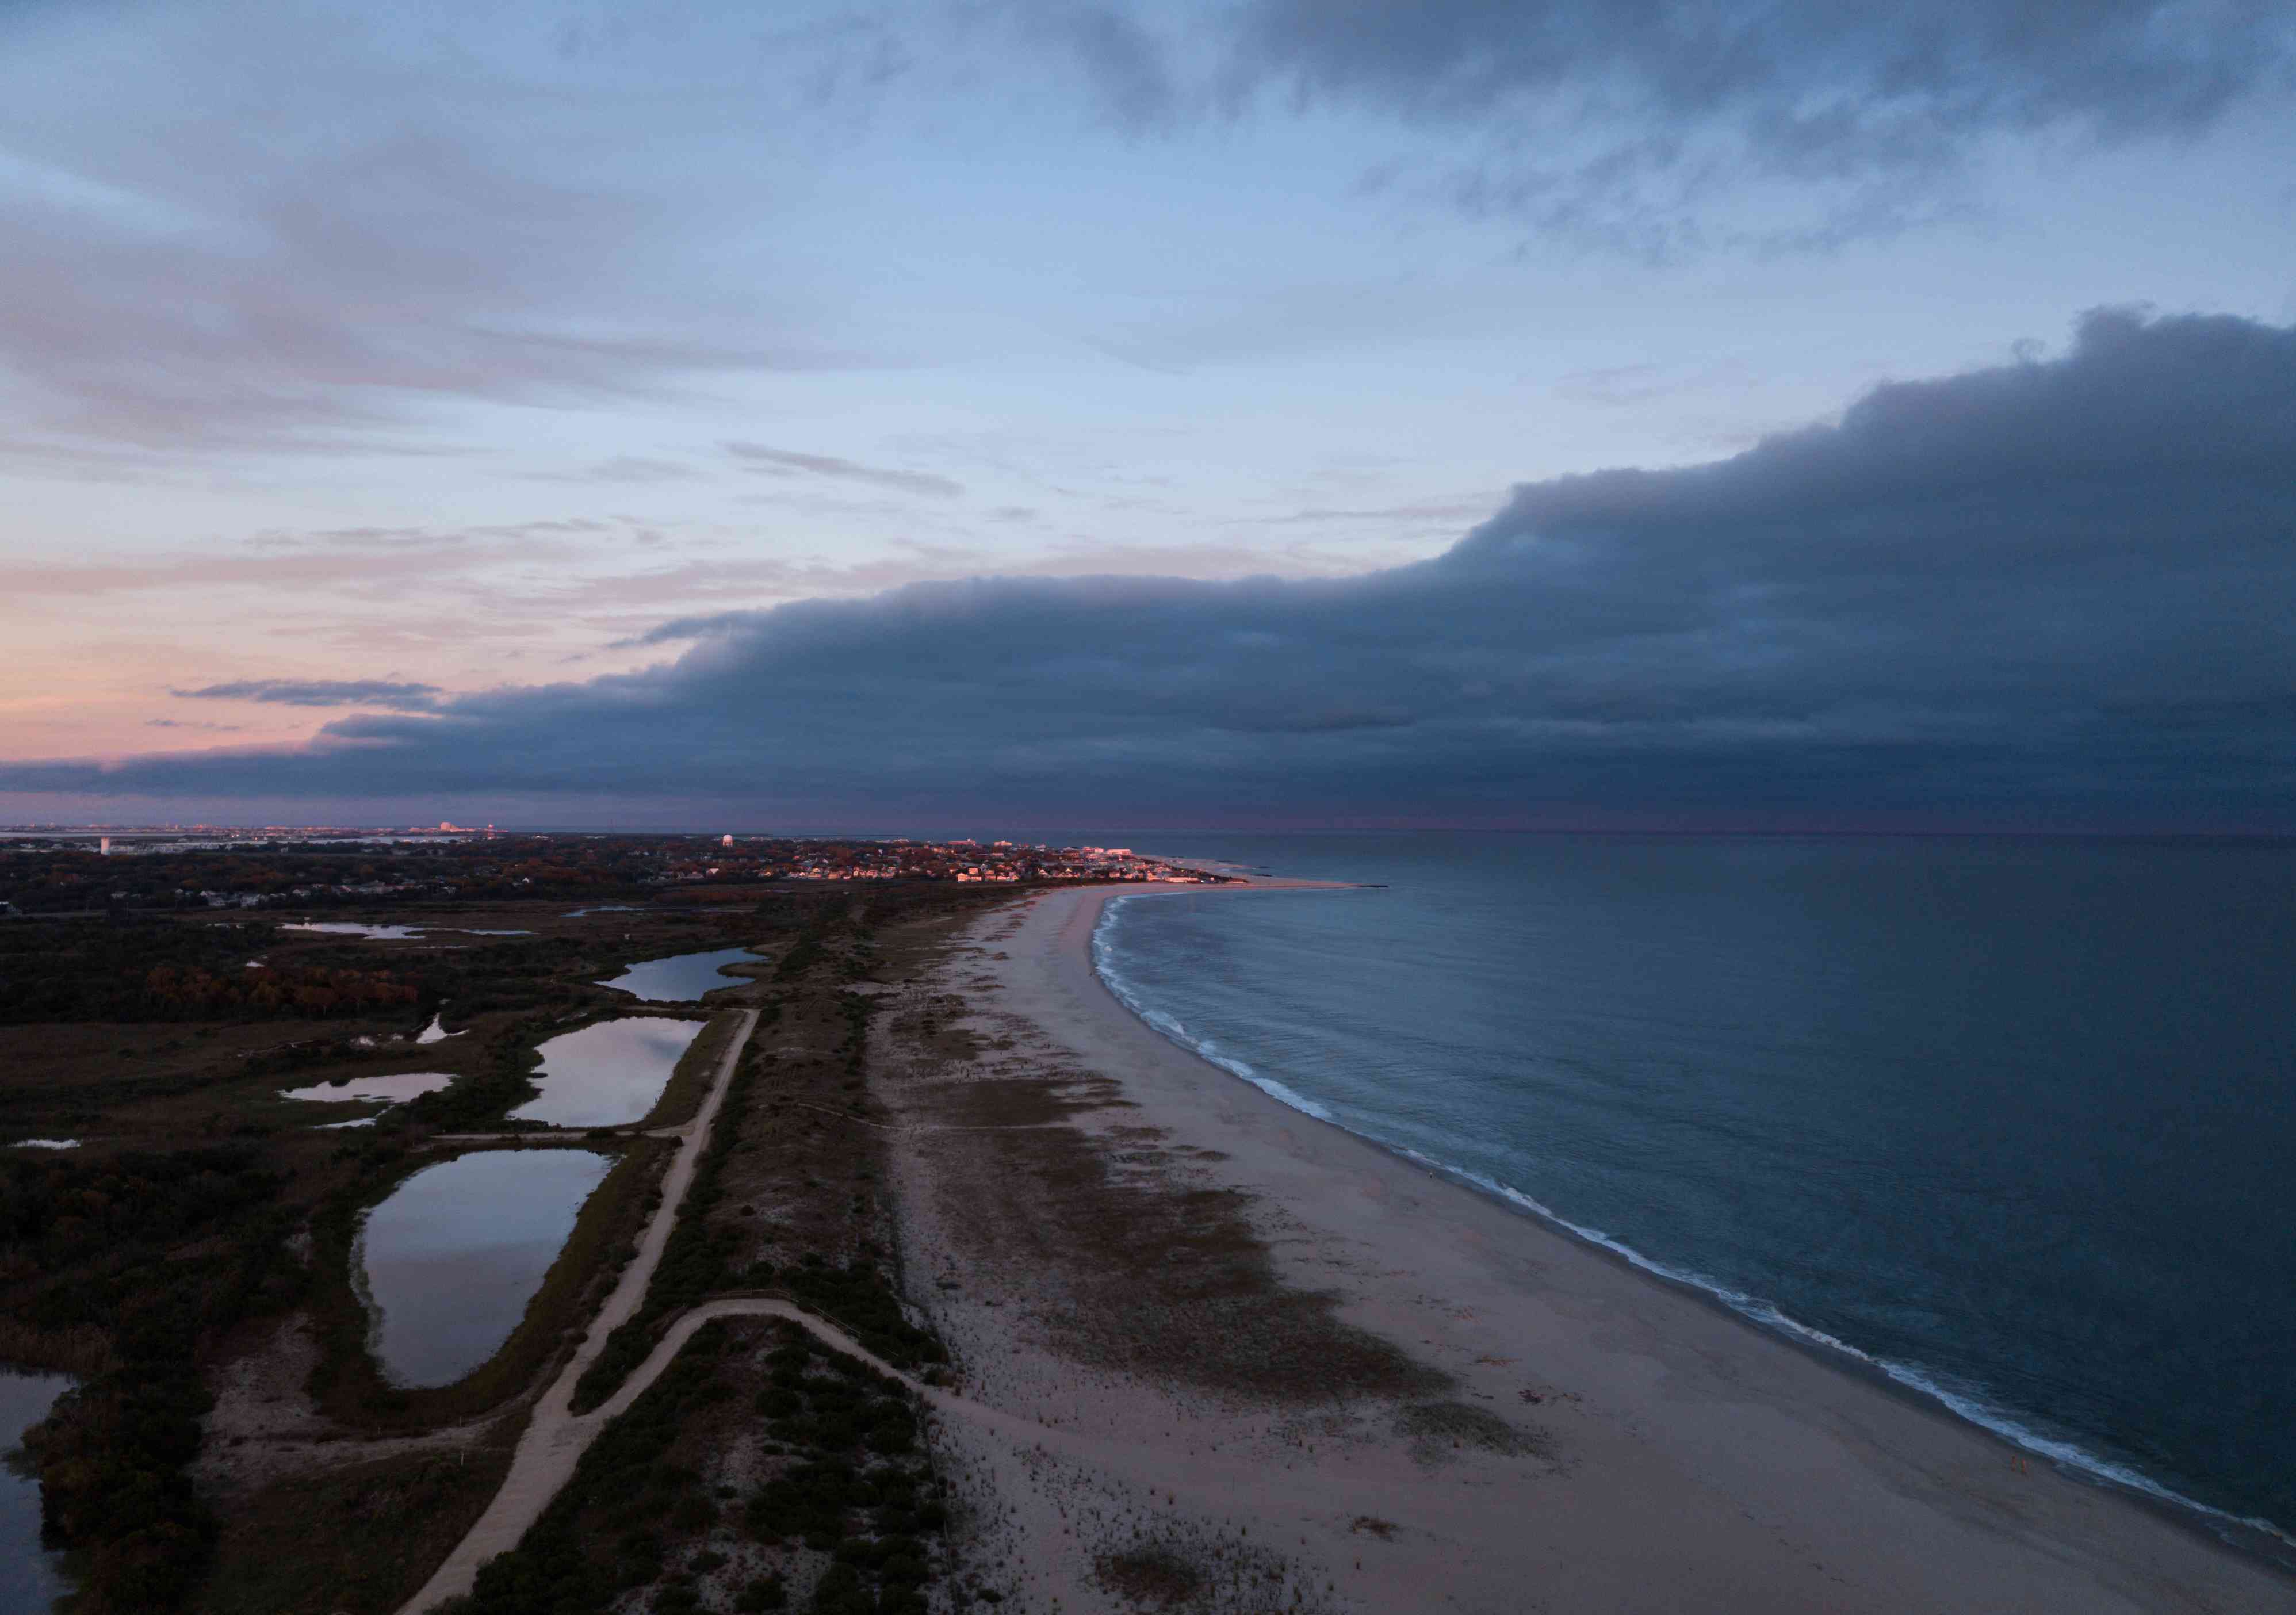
(2012, 1122)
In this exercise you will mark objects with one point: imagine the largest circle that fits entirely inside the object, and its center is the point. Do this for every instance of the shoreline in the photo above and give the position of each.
(1895, 1464)
(2258, 1539)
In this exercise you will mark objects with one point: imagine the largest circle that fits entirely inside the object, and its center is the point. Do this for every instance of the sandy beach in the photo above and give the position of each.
(1272, 1365)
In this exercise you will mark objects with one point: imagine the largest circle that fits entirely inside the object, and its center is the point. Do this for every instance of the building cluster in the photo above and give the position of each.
(964, 862)
(293, 870)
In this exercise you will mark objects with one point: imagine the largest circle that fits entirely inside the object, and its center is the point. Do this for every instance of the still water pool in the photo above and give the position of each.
(396, 1088)
(607, 1075)
(448, 1262)
(31, 1577)
(682, 978)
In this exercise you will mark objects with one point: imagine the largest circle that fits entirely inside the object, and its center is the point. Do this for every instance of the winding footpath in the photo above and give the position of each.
(556, 1436)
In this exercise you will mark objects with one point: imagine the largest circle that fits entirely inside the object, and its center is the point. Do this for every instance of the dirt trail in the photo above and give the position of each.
(556, 1436)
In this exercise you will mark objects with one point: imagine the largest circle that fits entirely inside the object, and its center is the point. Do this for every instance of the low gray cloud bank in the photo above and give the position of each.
(2059, 591)
(322, 693)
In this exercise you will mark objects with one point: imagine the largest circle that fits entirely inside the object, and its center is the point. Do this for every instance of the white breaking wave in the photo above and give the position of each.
(1965, 1401)
(1171, 1027)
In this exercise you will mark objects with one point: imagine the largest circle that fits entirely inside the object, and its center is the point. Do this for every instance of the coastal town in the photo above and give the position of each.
(84, 871)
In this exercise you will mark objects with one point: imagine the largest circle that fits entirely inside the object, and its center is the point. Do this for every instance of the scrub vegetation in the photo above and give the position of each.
(762, 1470)
(232, 1446)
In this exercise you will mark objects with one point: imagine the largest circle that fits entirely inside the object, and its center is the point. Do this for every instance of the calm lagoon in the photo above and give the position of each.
(607, 1075)
(448, 1262)
(31, 1577)
(682, 978)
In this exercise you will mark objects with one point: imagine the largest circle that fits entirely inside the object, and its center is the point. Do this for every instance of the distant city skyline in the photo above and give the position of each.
(1703, 417)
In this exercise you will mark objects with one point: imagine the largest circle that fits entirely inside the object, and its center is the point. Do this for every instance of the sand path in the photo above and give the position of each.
(556, 1436)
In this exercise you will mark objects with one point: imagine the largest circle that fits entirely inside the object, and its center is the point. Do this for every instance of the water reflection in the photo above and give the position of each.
(372, 933)
(31, 1577)
(392, 934)
(607, 1075)
(450, 1260)
(682, 978)
(394, 1089)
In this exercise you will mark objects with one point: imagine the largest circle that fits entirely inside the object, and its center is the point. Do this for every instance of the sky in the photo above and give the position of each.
(1280, 412)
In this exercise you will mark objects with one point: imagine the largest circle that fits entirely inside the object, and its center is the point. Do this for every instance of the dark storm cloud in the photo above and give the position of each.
(1617, 124)
(322, 693)
(1818, 83)
(2060, 592)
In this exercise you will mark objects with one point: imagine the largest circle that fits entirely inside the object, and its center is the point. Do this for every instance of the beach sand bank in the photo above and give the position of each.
(1272, 1365)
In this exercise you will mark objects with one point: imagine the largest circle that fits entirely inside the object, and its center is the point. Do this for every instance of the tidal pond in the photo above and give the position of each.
(448, 1262)
(682, 978)
(396, 1089)
(393, 933)
(436, 1032)
(372, 933)
(31, 1577)
(607, 1075)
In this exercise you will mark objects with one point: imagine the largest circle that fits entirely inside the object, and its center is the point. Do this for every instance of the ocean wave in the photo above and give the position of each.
(1129, 994)
(1961, 1398)
(1966, 1401)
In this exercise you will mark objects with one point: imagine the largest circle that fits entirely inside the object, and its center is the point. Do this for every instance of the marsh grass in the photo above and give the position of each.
(677, 1501)
(1162, 1275)
(78, 1349)
(1193, 1569)
(360, 1539)
(1436, 1427)
(1154, 1574)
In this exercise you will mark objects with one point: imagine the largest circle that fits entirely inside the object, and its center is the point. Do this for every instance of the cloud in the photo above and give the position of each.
(172, 723)
(2060, 592)
(624, 469)
(1624, 125)
(1452, 511)
(323, 693)
(1124, 62)
(282, 229)
(784, 462)
(366, 562)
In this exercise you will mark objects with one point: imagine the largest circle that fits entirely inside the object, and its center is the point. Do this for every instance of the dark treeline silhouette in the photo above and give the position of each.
(159, 1250)
(159, 970)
